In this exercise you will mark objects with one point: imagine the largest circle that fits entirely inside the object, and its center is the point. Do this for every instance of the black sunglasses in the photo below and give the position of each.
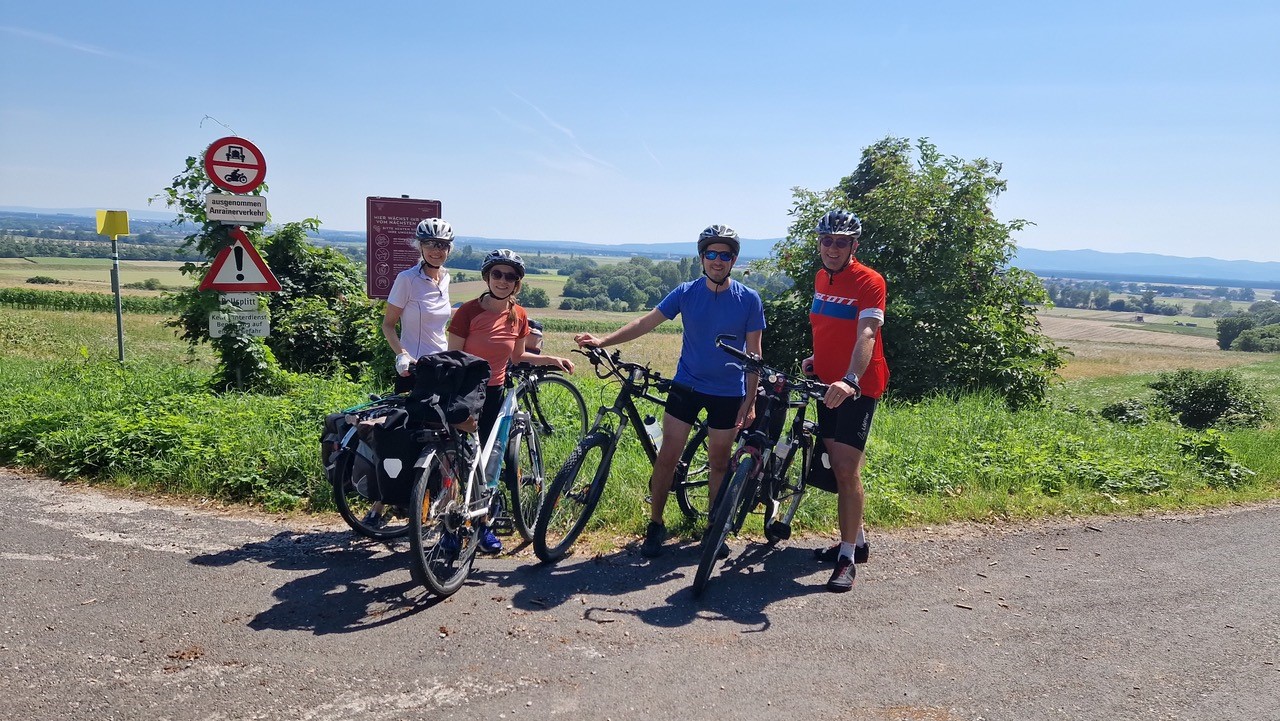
(724, 255)
(500, 275)
(840, 243)
(437, 244)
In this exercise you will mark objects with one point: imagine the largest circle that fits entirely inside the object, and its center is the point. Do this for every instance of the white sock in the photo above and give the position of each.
(846, 549)
(862, 537)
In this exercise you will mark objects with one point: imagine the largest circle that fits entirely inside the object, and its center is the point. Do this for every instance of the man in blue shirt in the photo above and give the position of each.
(710, 306)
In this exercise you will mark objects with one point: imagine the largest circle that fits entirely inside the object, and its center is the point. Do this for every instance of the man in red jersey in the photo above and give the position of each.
(846, 315)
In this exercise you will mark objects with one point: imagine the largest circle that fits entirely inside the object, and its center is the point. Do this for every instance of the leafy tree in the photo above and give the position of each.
(534, 297)
(1101, 298)
(1229, 328)
(958, 318)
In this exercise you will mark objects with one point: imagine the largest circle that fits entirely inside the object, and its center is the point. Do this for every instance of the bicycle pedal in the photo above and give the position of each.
(780, 530)
(502, 526)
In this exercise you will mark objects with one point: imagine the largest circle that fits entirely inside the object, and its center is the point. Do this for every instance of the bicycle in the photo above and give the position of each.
(569, 501)
(551, 418)
(760, 469)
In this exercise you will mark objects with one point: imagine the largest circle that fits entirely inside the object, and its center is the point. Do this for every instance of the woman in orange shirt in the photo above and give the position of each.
(495, 328)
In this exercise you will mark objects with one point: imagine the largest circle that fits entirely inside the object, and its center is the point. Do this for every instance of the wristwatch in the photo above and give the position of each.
(851, 379)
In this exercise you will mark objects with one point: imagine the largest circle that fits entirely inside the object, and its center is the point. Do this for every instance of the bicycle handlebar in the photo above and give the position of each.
(811, 388)
(611, 364)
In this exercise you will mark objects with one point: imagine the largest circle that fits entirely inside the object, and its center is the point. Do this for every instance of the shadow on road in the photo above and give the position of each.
(740, 591)
(339, 597)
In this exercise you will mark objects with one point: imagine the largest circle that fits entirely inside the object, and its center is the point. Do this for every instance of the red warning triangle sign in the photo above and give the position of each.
(238, 267)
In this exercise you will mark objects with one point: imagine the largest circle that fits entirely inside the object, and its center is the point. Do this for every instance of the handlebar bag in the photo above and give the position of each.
(449, 384)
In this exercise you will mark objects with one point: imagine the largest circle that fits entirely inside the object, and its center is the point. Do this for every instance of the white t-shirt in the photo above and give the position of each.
(424, 310)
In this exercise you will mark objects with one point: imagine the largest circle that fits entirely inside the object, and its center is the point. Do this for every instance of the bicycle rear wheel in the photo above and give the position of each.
(723, 514)
(691, 475)
(572, 496)
(524, 477)
(443, 543)
(354, 507)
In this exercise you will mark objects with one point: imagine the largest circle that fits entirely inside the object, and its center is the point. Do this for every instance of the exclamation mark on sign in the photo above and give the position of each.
(239, 262)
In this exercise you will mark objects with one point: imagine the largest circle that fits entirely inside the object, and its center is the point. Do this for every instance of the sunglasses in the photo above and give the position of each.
(437, 244)
(724, 255)
(500, 275)
(839, 243)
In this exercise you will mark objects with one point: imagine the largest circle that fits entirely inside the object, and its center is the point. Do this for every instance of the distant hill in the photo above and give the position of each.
(1147, 267)
(1088, 264)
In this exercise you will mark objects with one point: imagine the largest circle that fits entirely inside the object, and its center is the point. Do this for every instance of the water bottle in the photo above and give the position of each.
(494, 463)
(783, 447)
(654, 430)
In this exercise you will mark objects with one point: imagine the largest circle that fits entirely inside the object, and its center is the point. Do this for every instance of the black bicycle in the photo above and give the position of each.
(763, 468)
(550, 420)
(576, 489)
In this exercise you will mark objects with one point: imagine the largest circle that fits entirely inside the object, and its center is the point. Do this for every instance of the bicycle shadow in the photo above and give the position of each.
(741, 589)
(340, 596)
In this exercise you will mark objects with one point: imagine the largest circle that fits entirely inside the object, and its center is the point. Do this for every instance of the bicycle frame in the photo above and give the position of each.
(636, 381)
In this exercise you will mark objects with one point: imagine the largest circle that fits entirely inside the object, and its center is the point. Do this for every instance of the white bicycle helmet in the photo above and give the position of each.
(502, 256)
(434, 229)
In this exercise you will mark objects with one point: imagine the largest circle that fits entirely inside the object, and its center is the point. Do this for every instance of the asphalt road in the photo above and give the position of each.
(120, 608)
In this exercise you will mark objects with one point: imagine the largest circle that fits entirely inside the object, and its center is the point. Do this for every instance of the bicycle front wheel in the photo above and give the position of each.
(723, 514)
(442, 542)
(559, 414)
(572, 496)
(524, 476)
(691, 475)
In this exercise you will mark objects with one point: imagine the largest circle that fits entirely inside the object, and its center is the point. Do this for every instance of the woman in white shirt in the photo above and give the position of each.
(419, 302)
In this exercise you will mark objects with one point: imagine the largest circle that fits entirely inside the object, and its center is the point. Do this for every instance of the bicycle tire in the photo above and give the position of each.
(691, 476)
(525, 479)
(721, 523)
(568, 505)
(555, 406)
(353, 506)
(443, 547)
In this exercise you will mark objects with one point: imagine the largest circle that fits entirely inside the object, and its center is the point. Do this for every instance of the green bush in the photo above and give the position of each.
(1130, 410)
(66, 300)
(1259, 340)
(1200, 399)
(44, 280)
(532, 297)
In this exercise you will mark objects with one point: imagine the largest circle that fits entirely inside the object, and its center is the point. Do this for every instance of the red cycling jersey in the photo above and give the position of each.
(840, 300)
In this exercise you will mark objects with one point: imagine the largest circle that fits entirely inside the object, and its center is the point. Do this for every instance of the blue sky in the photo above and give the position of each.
(1142, 126)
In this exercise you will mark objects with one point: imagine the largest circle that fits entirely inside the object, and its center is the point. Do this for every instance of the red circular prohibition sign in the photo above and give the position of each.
(235, 165)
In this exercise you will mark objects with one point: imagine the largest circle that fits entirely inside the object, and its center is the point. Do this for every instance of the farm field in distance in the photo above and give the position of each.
(89, 275)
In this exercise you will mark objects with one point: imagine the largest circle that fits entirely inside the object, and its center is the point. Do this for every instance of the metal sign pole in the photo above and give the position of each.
(115, 288)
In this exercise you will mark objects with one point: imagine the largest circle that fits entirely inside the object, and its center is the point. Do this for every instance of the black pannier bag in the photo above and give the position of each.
(394, 451)
(820, 474)
(335, 429)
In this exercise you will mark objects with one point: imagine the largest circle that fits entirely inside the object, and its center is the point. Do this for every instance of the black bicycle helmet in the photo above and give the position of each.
(502, 256)
(840, 222)
(718, 234)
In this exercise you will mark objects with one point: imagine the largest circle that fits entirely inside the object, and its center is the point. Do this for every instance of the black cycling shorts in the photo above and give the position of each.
(684, 403)
(849, 423)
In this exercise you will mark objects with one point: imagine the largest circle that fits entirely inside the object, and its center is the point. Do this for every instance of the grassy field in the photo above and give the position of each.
(152, 425)
(89, 275)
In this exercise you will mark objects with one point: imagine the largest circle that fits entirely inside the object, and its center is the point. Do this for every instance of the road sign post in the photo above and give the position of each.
(115, 223)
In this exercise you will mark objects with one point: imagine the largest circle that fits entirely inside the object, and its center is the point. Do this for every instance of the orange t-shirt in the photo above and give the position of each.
(489, 335)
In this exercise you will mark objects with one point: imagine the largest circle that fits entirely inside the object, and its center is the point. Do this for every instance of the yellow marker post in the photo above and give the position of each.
(115, 223)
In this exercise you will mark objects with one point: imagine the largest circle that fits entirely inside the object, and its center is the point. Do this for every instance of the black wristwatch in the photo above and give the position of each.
(851, 379)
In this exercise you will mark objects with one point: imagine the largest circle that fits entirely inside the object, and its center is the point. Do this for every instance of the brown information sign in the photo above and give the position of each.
(391, 224)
